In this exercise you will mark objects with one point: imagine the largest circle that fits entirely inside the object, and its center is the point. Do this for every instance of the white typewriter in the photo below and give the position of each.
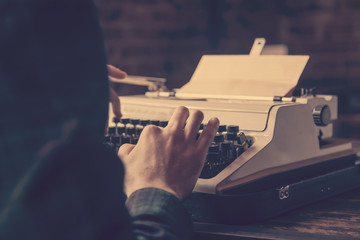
(262, 132)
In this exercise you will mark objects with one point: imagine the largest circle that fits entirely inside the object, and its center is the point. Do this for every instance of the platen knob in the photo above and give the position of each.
(321, 115)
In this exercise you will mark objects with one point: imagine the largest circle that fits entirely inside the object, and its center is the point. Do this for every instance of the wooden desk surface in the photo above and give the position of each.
(334, 218)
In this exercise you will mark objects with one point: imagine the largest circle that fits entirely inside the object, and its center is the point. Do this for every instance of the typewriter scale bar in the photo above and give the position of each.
(253, 115)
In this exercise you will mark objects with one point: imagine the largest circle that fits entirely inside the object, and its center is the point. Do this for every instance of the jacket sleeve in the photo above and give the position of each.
(157, 214)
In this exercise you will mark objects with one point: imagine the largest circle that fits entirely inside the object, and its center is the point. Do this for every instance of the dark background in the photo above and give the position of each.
(166, 38)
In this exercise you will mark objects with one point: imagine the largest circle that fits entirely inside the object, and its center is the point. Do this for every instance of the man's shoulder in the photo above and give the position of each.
(77, 189)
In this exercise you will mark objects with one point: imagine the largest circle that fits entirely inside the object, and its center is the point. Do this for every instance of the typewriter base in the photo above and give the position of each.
(244, 206)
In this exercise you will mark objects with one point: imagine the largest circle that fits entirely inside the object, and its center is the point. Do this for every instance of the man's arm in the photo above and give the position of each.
(162, 169)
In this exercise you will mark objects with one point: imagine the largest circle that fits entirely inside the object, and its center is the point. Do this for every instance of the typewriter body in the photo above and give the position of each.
(265, 135)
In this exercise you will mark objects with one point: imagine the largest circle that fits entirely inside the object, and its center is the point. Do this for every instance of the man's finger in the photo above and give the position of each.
(125, 150)
(115, 72)
(115, 102)
(178, 119)
(208, 134)
(193, 124)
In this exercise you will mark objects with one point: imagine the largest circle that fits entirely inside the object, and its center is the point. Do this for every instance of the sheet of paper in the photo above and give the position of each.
(245, 75)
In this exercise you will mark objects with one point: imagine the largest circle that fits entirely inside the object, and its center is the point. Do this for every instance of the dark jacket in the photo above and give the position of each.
(57, 179)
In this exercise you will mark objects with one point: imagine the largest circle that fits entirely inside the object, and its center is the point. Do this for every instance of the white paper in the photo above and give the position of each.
(245, 75)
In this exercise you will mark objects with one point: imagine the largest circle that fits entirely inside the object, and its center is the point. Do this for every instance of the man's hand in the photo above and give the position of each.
(114, 98)
(169, 158)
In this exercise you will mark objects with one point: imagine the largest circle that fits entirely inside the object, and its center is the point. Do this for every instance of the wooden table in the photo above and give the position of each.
(334, 218)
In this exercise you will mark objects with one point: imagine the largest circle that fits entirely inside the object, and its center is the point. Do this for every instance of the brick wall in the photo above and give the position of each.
(166, 38)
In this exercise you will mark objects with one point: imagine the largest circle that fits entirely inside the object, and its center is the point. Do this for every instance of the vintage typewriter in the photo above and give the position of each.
(271, 154)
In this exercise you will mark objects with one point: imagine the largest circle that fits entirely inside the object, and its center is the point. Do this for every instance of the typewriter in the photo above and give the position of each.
(271, 154)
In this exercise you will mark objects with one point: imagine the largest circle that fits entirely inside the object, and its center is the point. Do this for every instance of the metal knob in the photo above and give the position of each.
(321, 115)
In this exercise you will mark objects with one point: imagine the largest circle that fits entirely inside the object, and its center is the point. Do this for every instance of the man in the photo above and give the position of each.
(58, 181)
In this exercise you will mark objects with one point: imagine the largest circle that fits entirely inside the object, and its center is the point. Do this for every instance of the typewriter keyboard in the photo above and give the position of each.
(228, 144)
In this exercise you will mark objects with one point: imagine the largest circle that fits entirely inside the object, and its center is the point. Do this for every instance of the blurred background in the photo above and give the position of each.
(166, 38)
